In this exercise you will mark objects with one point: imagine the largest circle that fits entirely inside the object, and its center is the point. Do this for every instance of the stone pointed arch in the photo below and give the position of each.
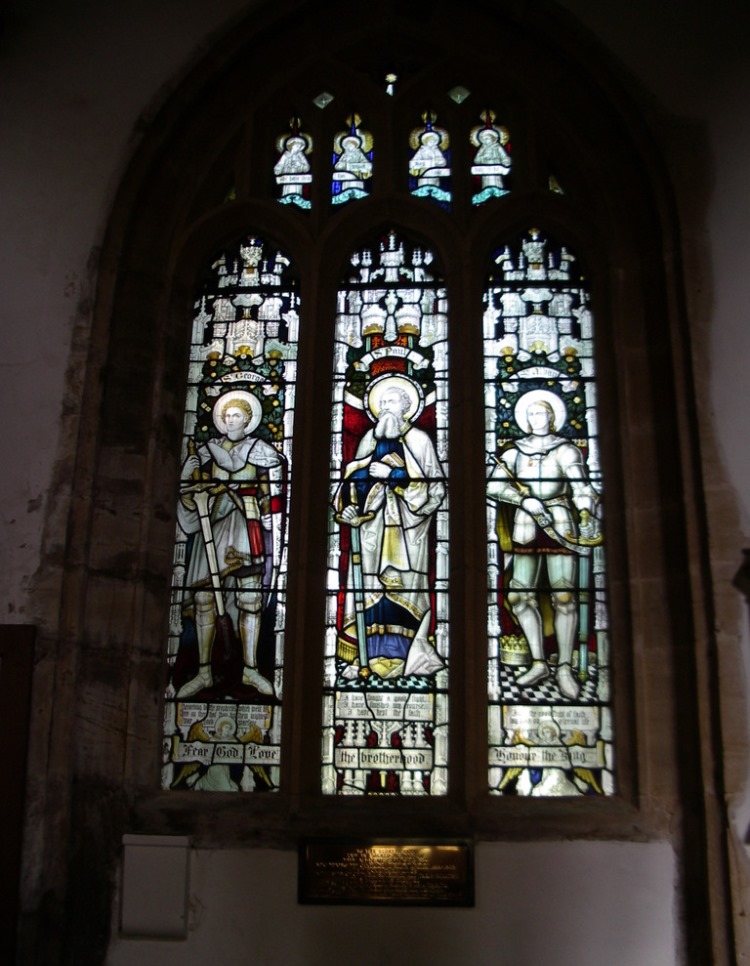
(203, 174)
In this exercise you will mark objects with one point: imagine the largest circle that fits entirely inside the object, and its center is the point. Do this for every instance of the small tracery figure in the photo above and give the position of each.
(429, 166)
(292, 170)
(352, 162)
(492, 161)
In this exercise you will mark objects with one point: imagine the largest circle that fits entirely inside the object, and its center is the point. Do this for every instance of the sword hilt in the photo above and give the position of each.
(192, 451)
(357, 522)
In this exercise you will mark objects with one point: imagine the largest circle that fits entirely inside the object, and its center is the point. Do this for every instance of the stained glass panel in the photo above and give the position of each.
(323, 100)
(550, 722)
(491, 165)
(352, 163)
(430, 161)
(385, 703)
(292, 168)
(459, 93)
(222, 722)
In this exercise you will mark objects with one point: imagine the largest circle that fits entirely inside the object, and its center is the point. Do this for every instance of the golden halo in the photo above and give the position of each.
(377, 387)
(540, 395)
(443, 138)
(502, 134)
(283, 141)
(235, 396)
(223, 721)
(363, 138)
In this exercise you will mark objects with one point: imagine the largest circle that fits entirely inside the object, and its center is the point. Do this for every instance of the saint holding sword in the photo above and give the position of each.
(554, 526)
(231, 501)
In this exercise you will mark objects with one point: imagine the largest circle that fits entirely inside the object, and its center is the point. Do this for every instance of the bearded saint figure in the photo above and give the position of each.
(390, 492)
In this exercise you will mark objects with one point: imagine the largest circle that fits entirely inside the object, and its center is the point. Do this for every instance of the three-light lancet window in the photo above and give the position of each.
(387, 632)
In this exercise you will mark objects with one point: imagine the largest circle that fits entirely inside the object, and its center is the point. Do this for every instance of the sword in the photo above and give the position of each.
(579, 545)
(583, 619)
(200, 498)
(277, 490)
(358, 590)
(201, 491)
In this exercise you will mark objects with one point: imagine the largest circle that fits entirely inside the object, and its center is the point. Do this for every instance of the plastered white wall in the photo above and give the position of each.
(543, 904)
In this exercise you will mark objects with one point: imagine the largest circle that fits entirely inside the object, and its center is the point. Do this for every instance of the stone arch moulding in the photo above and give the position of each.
(171, 213)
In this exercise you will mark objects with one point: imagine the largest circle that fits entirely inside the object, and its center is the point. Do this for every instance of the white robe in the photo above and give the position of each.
(395, 541)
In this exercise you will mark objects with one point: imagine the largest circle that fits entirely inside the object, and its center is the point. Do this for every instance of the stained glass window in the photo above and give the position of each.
(430, 161)
(386, 644)
(226, 635)
(352, 163)
(491, 165)
(386, 635)
(550, 721)
(292, 169)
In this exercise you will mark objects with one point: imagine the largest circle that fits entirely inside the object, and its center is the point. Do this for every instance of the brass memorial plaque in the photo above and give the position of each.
(380, 872)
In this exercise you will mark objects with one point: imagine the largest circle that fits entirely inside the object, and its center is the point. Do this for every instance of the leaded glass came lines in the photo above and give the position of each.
(222, 728)
(429, 165)
(550, 722)
(385, 704)
(352, 163)
(292, 169)
(492, 163)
